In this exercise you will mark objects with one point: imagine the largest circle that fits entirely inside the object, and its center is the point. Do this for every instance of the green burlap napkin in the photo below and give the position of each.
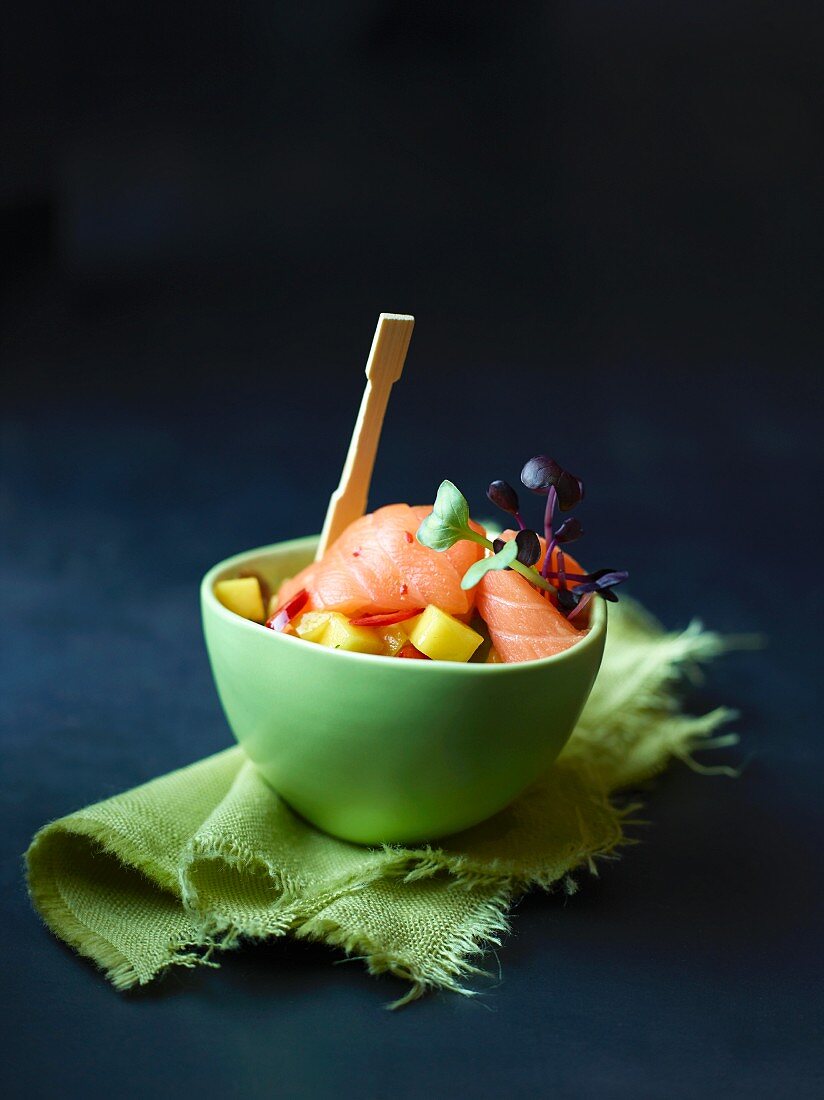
(192, 863)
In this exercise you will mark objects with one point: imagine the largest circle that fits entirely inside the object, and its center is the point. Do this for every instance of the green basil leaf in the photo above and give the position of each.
(451, 507)
(505, 557)
(433, 534)
(448, 522)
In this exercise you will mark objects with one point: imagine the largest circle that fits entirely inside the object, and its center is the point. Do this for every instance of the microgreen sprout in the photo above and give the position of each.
(544, 475)
(448, 523)
(601, 581)
(528, 543)
(503, 496)
(569, 531)
(502, 559)
(570, 592)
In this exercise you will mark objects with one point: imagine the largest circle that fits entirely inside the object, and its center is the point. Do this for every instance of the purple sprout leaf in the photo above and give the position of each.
(503, 496)
(529, 546)
(602, 581)
(609, 576)
(543, 473)
(569, 531)
(528, 543)
(540, 474)
(570, 491)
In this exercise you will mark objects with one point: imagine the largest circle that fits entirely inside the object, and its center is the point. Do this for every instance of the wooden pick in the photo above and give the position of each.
(383, 369)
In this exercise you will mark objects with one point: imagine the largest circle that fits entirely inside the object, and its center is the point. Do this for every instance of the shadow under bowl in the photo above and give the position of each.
(375, 750)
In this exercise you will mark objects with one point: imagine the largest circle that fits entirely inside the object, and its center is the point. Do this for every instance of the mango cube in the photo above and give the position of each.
(394, 638)
(243, 596)
(311, 625)
(442, 637)
(340, 634)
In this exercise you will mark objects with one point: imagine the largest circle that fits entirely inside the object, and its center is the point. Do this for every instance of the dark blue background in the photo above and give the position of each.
(607, 220)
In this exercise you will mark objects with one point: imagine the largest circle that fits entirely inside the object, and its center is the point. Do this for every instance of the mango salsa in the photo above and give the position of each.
(442, 637)
(243, 596)
(311, 625)
(340, 634)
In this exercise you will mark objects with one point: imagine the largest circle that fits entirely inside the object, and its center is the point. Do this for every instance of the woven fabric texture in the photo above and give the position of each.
(193, 863)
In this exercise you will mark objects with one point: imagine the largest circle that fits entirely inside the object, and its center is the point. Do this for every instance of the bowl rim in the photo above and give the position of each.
(591, 639)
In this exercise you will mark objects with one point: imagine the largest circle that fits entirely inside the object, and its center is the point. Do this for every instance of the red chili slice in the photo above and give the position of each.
(284, 615)
(409, 650)
(386, 618)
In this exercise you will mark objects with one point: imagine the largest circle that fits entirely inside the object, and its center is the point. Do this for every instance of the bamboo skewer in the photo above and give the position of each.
(383, 369)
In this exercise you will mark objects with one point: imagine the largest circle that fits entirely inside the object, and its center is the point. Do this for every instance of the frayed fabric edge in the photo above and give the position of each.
(446, 969)
(117, 967)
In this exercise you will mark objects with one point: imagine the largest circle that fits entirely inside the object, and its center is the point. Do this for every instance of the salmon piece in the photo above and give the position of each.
(377, 564)
(293, 585)
(523, 624)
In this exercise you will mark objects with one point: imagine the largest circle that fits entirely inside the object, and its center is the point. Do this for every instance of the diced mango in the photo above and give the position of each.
(442, 637)
(243, 596)
(394, 638)
(340, 634)
(311, 625)
(493, 657)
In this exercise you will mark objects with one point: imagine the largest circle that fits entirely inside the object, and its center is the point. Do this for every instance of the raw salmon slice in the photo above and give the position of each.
(377, 564)
(523, 624)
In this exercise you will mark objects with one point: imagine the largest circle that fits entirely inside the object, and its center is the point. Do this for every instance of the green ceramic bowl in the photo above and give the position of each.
(376, 750)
